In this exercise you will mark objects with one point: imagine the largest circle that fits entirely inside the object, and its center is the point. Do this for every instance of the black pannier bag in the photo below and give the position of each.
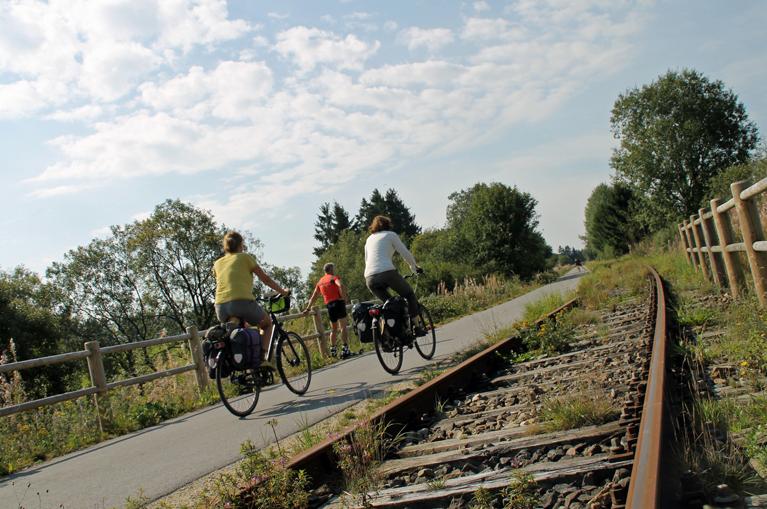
(214, 336)
(363, 322)
(396, 316)
(246, 348)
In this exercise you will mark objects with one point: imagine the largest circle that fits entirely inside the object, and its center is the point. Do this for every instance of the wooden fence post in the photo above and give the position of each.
(322, 340)
(98, 377)
(732, 264)
(714, 259)
(688, 235)
(680, 227)
(195, 347)
(698, 246)
(751, 227)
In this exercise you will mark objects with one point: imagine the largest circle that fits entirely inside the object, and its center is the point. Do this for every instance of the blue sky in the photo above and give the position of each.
(261, 111)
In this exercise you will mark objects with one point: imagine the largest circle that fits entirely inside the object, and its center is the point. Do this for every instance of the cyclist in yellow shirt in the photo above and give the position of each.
(234, 287)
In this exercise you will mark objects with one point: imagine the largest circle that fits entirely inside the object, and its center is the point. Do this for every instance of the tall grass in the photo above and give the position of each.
(472, 295)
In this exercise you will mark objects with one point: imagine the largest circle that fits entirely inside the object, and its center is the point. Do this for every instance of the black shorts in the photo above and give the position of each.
(336, 310)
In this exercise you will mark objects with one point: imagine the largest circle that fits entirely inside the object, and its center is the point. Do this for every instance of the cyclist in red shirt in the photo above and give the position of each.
(334, 295)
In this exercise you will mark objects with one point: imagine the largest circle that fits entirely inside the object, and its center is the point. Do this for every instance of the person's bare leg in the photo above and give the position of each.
(333, 333)
(343, 322)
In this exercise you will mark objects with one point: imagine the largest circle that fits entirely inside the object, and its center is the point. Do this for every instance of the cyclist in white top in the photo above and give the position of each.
(380, 273)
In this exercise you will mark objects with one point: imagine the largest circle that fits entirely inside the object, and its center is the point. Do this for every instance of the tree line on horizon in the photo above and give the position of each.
(682, 140)
(489, 229)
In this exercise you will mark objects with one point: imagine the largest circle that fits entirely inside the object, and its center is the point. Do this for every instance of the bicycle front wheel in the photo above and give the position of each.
(239, 390)
(389, 353)
(426, 345)
(294, 362)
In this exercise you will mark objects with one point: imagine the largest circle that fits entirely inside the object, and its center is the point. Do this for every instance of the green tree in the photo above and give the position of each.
(103, 284)
(434, 249)
(348, 255)
(494, 226)
(675, 135)
(608, 220)
(175, 248)
(569, 254)
(150, 277)
(331, 222)
(32, 315)
(719, 185)
(403, 221)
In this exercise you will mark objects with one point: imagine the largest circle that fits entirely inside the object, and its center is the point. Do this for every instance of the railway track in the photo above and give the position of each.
(482, 434)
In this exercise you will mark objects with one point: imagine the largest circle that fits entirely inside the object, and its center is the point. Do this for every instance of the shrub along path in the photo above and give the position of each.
(163, 458)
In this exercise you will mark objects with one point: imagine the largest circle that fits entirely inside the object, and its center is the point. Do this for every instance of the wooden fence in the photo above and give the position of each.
(93, 353)
(709, 239)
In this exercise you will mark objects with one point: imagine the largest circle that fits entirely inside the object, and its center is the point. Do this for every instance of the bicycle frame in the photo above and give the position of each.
(276, 327)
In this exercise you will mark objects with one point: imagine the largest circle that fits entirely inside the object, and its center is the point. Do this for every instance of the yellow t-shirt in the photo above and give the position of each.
(234, 277)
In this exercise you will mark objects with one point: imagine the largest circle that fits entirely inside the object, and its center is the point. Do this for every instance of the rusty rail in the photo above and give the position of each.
(645, 485)
(644, 491)
(319, 462)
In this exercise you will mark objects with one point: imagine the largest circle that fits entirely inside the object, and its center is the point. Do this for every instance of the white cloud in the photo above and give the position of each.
(430, 38)
(83, 113)
(278, 15)
(112, 70)
(51, 192)
(70, 50)
(309, 47)
(20, 98)
(188, 23)
(274, 135)
(359, 16)
(485, 29)
(430, 73)
(481, 6)
(230, 91)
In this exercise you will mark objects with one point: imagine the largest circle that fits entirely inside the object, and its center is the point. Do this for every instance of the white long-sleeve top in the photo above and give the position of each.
(379, 249)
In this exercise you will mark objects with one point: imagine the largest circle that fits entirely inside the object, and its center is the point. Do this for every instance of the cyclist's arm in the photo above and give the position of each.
(268, 281)
(311, 300)
(403, 251)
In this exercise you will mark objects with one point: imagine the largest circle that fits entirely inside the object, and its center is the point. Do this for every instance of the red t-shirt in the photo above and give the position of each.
(329, 289)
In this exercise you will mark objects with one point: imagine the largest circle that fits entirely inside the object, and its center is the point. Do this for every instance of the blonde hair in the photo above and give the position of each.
(380, 223)
(232, 242)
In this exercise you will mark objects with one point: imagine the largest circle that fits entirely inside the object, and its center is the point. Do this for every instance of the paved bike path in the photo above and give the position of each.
(163, 458)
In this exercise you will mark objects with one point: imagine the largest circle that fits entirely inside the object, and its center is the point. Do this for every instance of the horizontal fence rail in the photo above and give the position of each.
(709, 240)
(93, 354)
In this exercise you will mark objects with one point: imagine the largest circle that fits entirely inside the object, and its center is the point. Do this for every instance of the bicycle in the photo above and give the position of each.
(239, 390)
(390, 339)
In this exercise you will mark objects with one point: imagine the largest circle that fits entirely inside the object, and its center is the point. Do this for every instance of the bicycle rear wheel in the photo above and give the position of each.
(239, 391)
(426, 345)
(389, 353)
(294, 362)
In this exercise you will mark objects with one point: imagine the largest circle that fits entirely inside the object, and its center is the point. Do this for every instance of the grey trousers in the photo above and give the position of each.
(379, 285)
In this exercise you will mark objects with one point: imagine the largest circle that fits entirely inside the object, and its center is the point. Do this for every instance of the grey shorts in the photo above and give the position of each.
(247, 310)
